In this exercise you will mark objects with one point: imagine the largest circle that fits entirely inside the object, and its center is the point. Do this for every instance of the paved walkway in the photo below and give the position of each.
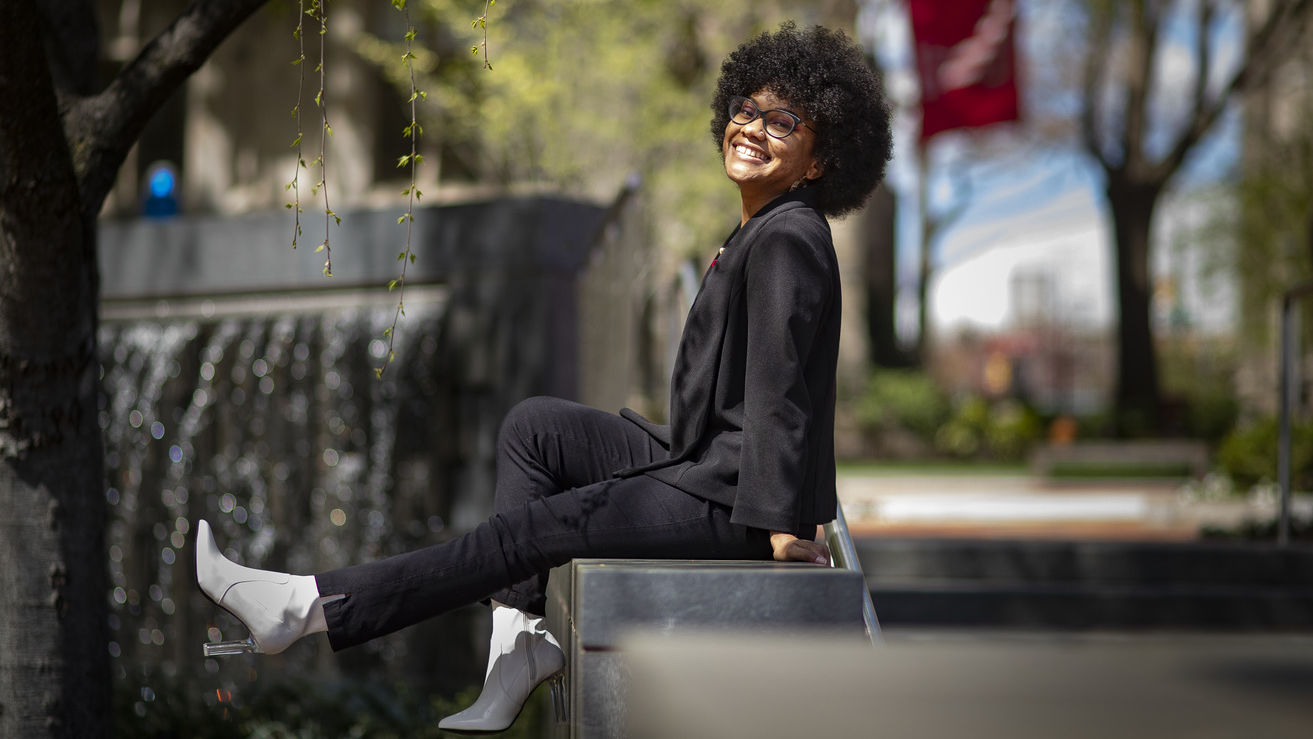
(1011, 505)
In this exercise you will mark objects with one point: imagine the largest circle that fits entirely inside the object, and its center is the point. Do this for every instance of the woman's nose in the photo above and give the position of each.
(756, 128)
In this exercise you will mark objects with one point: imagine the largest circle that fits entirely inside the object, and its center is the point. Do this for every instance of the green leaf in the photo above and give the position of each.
(412, 258)
(320, 247)
(400, 220)
(392, 285)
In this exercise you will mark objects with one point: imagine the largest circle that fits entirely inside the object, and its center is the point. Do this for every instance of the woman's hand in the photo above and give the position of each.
(789, 548)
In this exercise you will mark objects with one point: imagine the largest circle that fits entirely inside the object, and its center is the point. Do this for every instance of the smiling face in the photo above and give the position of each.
(763, 166)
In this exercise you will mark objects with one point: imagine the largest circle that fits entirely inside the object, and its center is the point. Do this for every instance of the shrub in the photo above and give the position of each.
(1249, 454)
(903, 399)
(1004, 430)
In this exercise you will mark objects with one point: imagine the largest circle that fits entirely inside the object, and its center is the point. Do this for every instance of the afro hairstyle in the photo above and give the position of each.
(826, 77)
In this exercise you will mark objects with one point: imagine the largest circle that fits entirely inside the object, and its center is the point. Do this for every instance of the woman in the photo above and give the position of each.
(745, 470)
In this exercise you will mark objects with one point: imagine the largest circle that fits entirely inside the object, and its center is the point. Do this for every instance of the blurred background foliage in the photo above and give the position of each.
(907, 413)
(584, 95)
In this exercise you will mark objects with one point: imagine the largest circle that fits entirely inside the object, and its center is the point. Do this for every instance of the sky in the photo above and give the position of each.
(1035, 211)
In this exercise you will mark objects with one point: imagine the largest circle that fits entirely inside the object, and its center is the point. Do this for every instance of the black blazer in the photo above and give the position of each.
(753, 388)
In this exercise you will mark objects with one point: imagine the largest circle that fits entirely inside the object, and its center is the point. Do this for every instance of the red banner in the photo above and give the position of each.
(966, 60)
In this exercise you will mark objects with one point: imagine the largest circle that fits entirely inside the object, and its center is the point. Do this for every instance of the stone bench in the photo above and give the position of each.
(594, 604)
(1131, 457)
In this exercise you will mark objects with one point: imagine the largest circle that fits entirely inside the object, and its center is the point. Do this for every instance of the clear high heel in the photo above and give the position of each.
(224, 648)
(560, 698)
(276, 607)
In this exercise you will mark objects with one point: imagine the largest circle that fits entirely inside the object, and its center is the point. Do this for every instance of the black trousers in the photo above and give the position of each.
(556, 500)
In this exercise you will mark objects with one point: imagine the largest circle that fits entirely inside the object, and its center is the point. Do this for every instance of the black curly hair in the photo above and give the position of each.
(826, 77)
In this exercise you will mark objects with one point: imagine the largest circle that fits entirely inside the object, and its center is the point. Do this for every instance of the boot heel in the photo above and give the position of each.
(559, 703)
(223, 648)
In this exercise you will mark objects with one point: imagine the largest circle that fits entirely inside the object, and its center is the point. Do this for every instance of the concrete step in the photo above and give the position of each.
(1088, 585)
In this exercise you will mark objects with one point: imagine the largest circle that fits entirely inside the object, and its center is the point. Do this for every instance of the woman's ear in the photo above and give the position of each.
(815, 171)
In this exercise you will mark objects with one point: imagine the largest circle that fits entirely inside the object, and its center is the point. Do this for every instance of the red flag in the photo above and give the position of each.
(966, 60)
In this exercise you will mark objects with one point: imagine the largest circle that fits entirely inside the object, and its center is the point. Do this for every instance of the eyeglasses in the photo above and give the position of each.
(778, 123)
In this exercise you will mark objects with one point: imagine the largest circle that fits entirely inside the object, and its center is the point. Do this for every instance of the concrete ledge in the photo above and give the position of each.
(982, 687)
(593, 604)
(1157, 455)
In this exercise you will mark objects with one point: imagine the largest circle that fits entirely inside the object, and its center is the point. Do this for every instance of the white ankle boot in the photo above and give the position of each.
(522, 654)
(277, 607)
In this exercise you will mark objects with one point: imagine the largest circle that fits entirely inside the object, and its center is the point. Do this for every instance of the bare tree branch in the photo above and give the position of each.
(1092, 78)
(1273, 41)
(102, 128)
(1203, 59)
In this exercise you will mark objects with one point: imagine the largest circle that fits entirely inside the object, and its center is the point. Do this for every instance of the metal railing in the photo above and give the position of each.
(1287, 395)
(843, 555)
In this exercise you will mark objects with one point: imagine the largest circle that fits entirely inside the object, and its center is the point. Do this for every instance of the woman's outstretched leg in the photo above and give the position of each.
(627, 517)
(546, 445)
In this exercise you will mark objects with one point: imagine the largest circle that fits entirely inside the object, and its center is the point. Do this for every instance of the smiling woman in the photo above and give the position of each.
(745, 468)
(823, 79)
(767, 151)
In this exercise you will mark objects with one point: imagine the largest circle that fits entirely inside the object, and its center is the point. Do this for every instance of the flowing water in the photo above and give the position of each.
(276, 429)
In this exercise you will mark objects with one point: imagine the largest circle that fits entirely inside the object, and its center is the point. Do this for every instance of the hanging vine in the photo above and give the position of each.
(412, 131)
(299, 63)
(482, 23)
(319, 12)
(316, 10)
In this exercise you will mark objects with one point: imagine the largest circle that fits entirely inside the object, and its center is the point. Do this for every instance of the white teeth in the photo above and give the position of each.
(744, 151)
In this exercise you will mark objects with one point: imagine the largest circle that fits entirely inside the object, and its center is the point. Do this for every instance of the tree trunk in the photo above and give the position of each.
(880, 275)
(54, 664)
(1137, 393)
